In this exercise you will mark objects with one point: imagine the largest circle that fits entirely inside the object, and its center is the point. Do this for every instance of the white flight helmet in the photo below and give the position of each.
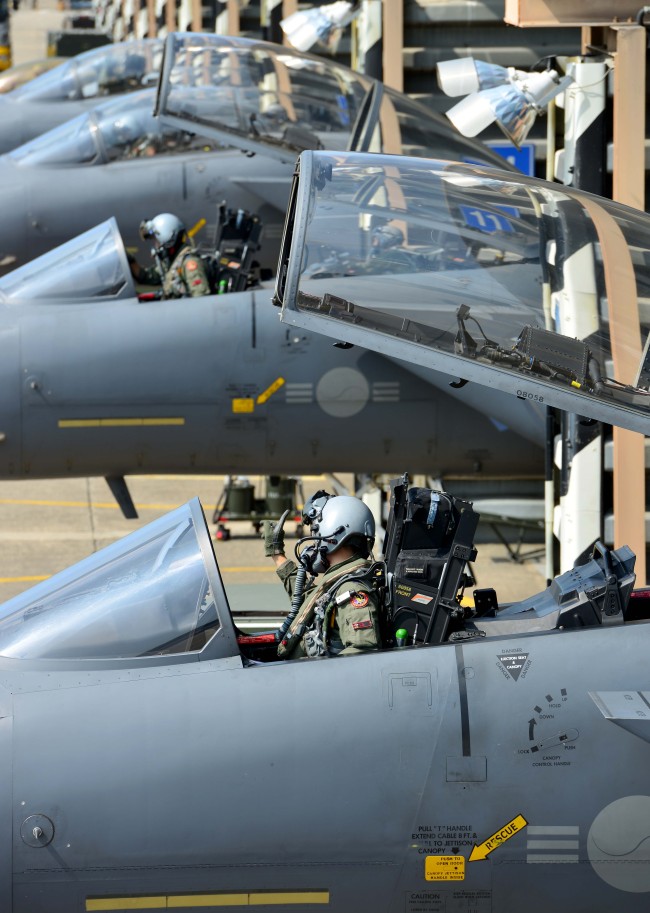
(341, 520)
(165, 229)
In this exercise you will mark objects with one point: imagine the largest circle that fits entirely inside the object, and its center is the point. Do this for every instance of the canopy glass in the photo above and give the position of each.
(507, 281)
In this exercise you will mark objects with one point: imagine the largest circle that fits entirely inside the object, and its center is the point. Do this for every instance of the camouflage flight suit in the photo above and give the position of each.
(351, 614)
(186, 276)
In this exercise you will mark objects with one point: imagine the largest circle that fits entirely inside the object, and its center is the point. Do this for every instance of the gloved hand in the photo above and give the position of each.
(273, 534)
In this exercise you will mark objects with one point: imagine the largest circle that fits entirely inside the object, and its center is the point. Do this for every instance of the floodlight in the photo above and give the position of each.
(510, 97)
(321, 23)
(465, 75)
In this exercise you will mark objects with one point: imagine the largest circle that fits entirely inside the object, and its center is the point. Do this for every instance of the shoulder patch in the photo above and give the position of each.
(359, 600)
(192, 265)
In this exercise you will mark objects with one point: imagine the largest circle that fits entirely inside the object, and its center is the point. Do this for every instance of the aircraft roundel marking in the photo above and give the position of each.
(618, 844)
(342, 392)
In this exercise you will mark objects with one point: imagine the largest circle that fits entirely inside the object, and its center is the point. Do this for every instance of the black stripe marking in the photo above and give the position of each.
(464, 710)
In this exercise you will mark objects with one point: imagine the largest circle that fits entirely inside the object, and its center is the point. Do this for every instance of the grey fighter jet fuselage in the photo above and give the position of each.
(148, 763)
(112, 385)
(191, 184)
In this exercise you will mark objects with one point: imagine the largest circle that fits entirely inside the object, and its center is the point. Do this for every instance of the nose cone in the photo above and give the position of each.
(14, 245)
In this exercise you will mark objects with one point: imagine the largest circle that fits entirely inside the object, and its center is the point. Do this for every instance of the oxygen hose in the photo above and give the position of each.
(303, 564)
(296, 602)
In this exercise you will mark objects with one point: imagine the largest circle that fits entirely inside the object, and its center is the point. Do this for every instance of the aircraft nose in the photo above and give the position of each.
(13, 226)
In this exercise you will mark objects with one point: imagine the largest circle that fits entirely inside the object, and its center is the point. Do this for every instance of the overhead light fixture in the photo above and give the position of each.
(509, 97)
(320, 24)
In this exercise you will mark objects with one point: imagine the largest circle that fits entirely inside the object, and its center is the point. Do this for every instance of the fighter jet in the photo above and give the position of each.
(77, 86)
(156, 758)
(264, 100)
(97, 381)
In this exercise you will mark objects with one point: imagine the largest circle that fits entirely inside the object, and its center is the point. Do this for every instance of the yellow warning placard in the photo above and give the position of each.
(243, 404)
(444, 868)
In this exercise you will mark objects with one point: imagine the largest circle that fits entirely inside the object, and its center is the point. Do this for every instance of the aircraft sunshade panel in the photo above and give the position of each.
(491, 278)
(154, 594)
(258, 94)
(91, 267)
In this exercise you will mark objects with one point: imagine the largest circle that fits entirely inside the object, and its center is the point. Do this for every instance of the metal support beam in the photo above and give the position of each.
(628, 188)
(227, 17)
(578, 13)
(288, 8)
(394, 44)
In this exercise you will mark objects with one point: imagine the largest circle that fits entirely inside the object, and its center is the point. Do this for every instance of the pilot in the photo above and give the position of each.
(179, 269)
(341, 609)
(123, 74)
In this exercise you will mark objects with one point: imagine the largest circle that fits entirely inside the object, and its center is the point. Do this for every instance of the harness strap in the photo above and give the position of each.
(305, 616)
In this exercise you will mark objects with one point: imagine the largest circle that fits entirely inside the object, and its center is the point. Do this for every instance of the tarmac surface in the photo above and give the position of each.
(47, 525)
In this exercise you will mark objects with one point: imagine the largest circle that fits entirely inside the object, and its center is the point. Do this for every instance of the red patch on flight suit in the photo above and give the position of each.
(192, 265)
(196, 282)
(361, 625)
(359, 600)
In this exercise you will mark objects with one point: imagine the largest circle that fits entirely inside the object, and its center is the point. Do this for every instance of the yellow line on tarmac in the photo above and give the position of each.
(103, 505)
(36, 578)
(33, 579)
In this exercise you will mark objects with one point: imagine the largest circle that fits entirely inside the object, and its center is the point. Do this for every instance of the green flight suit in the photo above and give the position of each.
(186, 277)
(351, 615)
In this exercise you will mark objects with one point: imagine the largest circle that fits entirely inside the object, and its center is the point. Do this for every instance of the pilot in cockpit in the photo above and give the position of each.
(179, 268)
(341, 609)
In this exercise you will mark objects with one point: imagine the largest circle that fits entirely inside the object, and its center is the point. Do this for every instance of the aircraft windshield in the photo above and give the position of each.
(149, 594)
(280, 99)
(516, 283)
(107, 70)
(123, 128)
(91, 266)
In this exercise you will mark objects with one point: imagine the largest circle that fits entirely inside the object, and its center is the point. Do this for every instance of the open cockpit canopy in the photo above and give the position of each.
(489, 277)
(271, 99)
(91, 267)
(155, 593)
